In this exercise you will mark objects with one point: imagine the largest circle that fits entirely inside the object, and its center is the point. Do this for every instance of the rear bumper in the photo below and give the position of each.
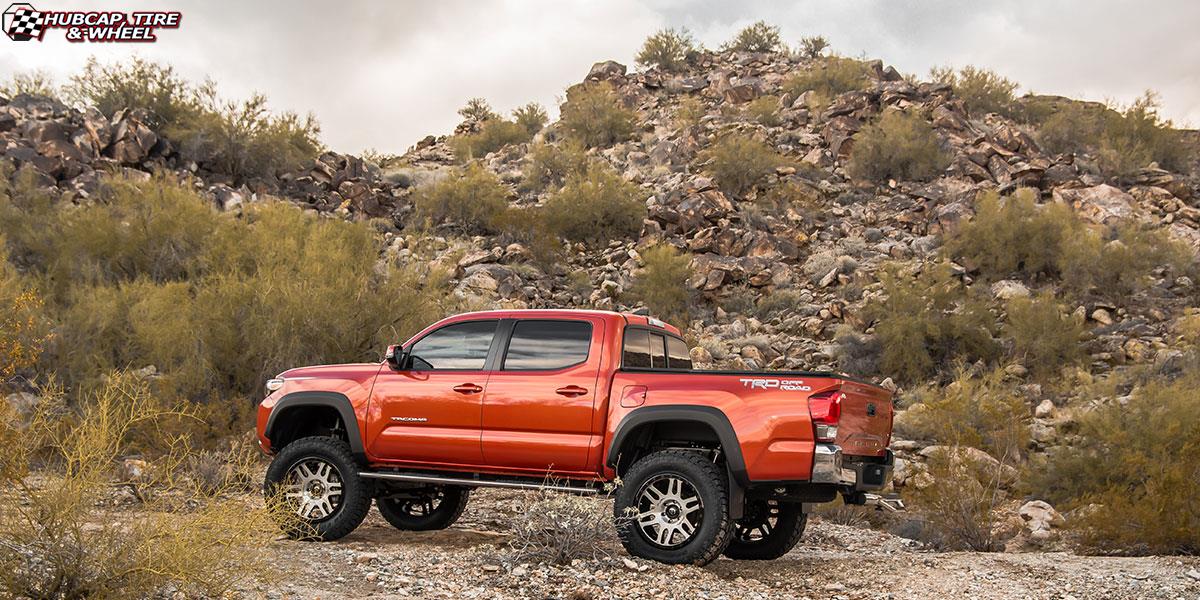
(854, 473)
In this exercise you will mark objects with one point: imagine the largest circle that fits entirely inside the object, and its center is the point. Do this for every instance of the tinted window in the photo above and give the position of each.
(458, 346)
(548, 345)
(637, 349)
(658, 352)
(677, 354)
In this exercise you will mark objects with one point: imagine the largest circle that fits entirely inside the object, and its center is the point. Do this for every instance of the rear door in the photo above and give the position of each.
(430, 413)
(537, 411)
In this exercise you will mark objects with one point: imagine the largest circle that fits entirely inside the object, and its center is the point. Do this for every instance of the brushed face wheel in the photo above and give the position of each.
(669, 511)
(314, 487)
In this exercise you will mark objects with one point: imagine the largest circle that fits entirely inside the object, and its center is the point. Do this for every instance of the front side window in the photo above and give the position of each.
(461, 346)
(547, 345)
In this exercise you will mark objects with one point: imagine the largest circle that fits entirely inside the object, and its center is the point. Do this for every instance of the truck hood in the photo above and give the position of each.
(350, 371)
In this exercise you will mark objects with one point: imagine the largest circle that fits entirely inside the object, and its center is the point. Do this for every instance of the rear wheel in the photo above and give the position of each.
(673, 507)
(424, 509)
(767, 530)
(314, 489)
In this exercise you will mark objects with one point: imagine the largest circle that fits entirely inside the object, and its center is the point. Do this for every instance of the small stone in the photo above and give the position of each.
(1044, 410)
(491, 568)
(629, 564)
(1194, 574)
(1102, 316)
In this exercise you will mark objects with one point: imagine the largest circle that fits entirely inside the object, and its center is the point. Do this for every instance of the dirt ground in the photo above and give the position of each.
(472, 560)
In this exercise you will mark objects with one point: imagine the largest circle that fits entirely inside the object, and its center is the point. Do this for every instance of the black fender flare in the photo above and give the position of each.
(335, 400)
(708, 415)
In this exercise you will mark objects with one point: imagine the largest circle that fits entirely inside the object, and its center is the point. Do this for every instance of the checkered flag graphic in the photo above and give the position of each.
(22, 22)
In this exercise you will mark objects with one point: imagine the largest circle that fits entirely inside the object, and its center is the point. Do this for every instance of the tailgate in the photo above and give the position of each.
(865, 426)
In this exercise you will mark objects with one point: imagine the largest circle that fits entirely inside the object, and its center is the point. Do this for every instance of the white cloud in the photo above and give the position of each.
(384, 75)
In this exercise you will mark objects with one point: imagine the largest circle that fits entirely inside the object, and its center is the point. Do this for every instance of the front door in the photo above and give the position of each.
(430, 412)
(537, 410)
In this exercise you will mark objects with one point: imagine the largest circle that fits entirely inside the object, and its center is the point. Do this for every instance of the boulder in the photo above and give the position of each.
(1103, 204)
(603, 71)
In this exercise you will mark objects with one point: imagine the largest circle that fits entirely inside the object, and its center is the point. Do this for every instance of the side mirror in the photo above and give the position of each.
(396, 357)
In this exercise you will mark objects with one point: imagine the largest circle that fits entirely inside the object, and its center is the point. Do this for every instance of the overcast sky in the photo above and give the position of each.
(384, 74)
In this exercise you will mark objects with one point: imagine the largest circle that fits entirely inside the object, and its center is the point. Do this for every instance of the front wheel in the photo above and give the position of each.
(673, 508)
(424, 509)
(769, 529)
(314, 489)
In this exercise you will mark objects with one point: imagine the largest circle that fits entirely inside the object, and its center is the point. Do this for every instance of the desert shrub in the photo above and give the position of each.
(596, 205)
(765, 110)
(472, 200)
(60, 543)
(756, 37)
(1045, 336)
(477, 109)
(689, 112)
(739, 162)
(23, 326)
(927, 321)
(776, 303)
(900, 145)
(595, 116)
(667, 49)
(241, 139)
(813, 46)
(560, 528)
(661, 283)
(975, 411)
(492, 135)
(829, 77)
(1013, 235)
(982, 90)
(1123, 139)
(958, 510)
(548, 165)
(1136, 462)
(855, 352)
(532, 117)
(218, 304)
(1118, 261)
(34, 83)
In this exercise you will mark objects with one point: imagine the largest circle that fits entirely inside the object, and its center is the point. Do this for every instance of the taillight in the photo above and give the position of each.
(825, 409)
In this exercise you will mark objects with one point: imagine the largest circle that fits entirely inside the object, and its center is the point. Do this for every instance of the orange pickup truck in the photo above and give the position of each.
(705, 462)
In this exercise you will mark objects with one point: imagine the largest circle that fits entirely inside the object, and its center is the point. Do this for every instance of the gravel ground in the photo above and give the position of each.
(472, 560)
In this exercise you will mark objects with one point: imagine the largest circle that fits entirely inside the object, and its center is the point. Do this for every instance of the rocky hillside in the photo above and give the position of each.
(772, 285)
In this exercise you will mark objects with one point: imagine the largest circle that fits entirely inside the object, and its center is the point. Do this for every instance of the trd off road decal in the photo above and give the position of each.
(787, 385)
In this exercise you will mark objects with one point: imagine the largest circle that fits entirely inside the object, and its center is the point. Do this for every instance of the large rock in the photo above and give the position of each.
(609, 69)
(132, 137)
(1102, 204)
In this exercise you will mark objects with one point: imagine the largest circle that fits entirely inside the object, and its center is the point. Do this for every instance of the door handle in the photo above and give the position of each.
(571, 391)
(468, 388)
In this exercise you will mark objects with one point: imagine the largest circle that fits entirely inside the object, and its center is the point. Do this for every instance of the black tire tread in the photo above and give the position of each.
(443, 521)
(715, 474)
(356, 499)
(773, 547)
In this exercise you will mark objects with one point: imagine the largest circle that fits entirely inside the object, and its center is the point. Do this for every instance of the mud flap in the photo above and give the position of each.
(737, 497)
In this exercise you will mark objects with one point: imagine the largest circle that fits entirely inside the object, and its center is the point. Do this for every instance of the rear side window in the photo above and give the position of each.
(678, 356)
(547, 345)
(637, 349)
(658, 352)
(461, 346)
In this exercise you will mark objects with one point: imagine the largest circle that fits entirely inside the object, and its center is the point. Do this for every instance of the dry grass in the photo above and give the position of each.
(560, 528)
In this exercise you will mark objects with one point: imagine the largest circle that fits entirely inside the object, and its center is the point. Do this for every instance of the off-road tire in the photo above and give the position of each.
(355, 499)
(453, 503)
(784, 536)
(709, 481)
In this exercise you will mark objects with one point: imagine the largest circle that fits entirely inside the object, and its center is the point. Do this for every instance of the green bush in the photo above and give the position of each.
(34, 83)
(661, 283)
(756, 37)
(667, 49)
(595, 116)
(492, 135)
(900, 145)
(548, 166)
(1013, 235)
(813, 46)
(928, 321)
(739, 162)
(689, 112)
(1136, 461)
(1045, 336)
(472, 200)
(982, 90)
(532, 117)
(596, 205)
(1123, 140)
(829, 77)
(477, 109)
(764, 110)
(153, 275)
(976, 411)
(1118, 261)
(136, 83)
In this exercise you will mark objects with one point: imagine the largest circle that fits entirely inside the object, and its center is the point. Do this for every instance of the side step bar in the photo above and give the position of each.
(519, 485)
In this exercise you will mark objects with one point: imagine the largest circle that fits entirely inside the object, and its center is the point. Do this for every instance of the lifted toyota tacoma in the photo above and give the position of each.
(706, 462)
